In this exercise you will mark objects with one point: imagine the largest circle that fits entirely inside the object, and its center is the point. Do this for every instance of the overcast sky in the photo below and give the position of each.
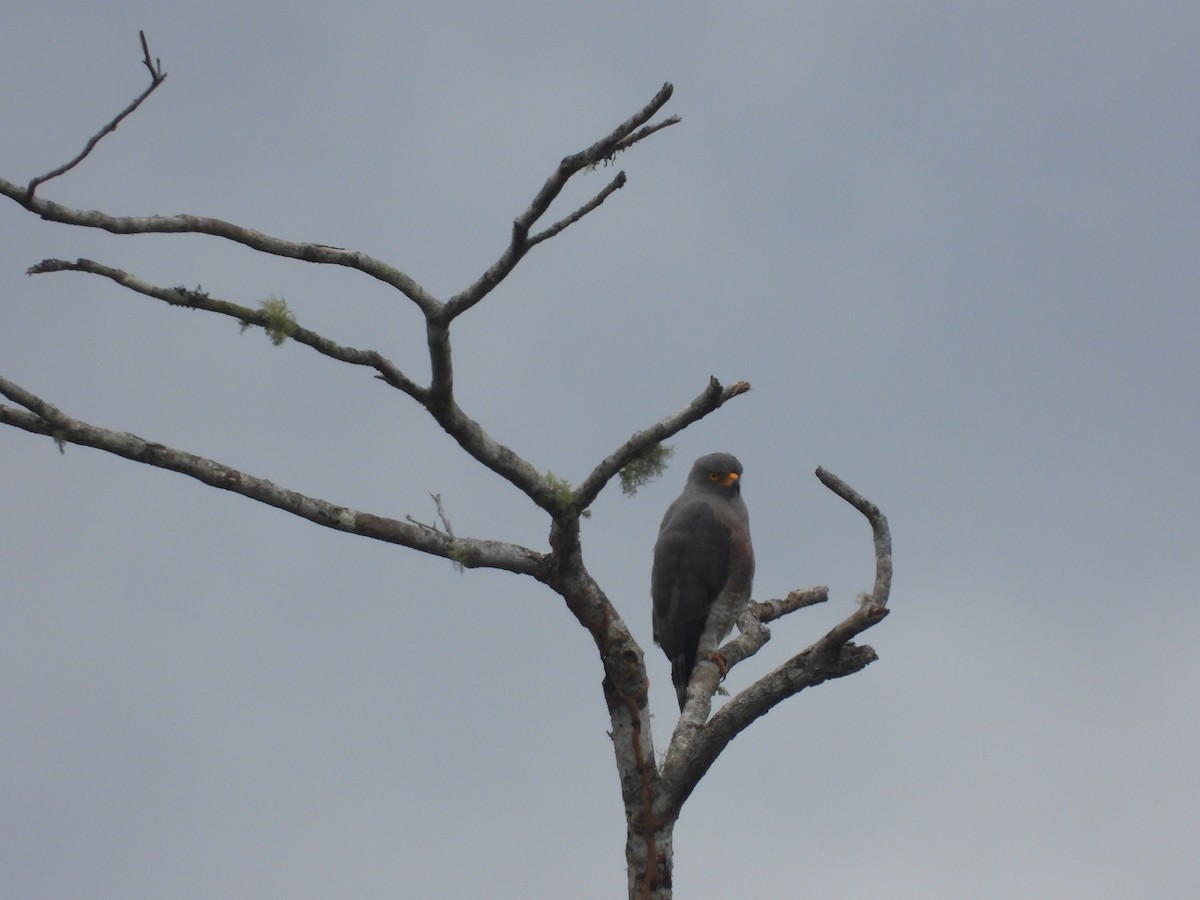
(954, 249)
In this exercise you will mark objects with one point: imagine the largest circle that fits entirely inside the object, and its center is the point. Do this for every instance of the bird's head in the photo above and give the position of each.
(717, 471)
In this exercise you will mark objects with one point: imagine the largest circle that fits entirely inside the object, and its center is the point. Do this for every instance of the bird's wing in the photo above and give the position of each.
(691, 567)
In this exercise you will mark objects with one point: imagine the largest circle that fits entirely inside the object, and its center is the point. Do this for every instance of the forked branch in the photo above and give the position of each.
(620, 138)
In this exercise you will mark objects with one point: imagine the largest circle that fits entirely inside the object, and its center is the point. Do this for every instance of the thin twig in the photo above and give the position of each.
(437, 499)
(642, 133)
(449, 529)
(155, 67)
(441, 511)
(615, 185)
(157, 77)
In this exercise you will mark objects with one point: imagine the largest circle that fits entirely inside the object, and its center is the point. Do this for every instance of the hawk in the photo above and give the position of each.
(703, 566)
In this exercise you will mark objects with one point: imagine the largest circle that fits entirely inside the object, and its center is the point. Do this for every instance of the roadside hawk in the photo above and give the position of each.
(703, 566)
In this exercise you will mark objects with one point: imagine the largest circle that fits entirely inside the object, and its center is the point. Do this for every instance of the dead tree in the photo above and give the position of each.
(653, 791)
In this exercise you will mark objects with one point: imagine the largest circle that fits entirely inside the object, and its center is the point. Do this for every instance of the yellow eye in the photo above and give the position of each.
(713, 476)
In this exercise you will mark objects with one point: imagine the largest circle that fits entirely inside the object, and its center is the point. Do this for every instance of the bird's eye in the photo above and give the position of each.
(713, 476)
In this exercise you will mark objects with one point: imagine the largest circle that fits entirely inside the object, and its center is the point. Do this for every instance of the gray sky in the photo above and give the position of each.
(954, 250)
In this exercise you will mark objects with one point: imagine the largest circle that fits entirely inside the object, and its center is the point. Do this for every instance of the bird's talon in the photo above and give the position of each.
(721, 662)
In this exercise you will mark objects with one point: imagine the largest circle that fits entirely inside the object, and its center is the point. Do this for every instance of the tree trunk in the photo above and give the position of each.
(649, 852)
(649, 859)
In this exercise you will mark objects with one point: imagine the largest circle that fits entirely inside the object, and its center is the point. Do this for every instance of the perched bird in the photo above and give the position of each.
(703, 566)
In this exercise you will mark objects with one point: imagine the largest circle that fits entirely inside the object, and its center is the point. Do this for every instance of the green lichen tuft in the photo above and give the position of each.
(645, 468)
(564, 494)
(276, 319)
(460, 556)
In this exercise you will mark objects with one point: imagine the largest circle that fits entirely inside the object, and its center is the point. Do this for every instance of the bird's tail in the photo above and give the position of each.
(681, 674)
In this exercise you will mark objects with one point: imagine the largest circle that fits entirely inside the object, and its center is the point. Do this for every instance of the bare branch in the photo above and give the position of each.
(691, 758)
(615, 185)
(880, 532)
(711, 398)
(43, 418)
(769, 610)
(472, 436)
(256, 240)
(157, 77)
(501, 459)
(198, 299)
(752, 631)
(35, 404)
(752, 636)
(642, 133)
(441, 511)
(620, 138)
